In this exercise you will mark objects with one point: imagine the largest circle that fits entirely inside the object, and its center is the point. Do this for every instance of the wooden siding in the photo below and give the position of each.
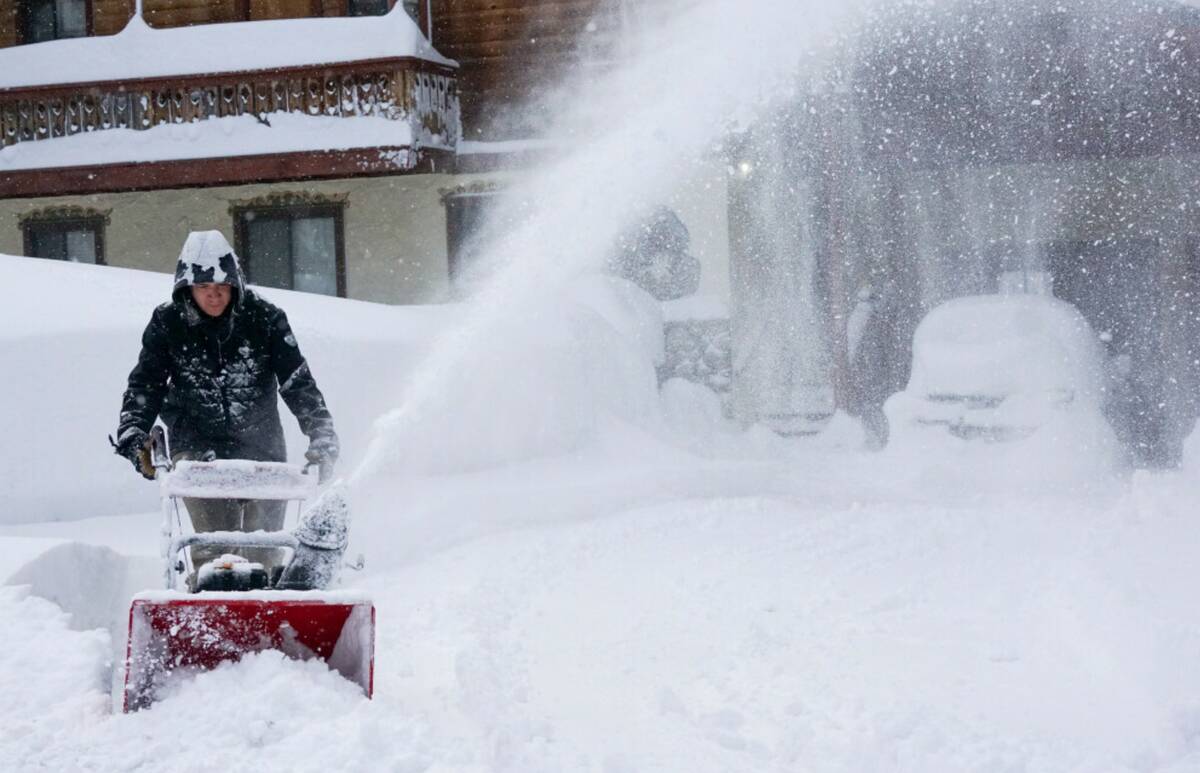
(510, 51)
(8, 23)
(110, 16)
(178, 13)
(210, 172)
(285, 9)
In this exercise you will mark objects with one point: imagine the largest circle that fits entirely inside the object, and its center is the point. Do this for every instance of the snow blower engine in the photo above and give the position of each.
(231, 606)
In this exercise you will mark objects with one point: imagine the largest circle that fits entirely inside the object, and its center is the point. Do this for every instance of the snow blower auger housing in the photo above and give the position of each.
(238, 608)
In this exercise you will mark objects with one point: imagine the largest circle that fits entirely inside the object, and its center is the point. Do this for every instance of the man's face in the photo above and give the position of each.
(212, 299)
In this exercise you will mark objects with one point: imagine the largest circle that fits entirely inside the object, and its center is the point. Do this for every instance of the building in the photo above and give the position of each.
(347, 147)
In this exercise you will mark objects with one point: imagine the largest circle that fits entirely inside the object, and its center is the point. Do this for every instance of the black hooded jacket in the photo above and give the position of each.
(213, 380)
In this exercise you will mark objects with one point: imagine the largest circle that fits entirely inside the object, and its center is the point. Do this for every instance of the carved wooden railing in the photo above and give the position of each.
(402, 89)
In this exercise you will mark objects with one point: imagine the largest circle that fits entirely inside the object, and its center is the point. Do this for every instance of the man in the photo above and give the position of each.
(212, 360)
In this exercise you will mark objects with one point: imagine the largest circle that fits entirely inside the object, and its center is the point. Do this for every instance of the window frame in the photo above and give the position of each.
(94, 223)
(290, 212)
(424, 14)
(461, 259)
(22, 21)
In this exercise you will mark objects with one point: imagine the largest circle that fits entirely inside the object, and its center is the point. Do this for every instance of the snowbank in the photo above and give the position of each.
(73, 693)
(548, 377)
(70, 335)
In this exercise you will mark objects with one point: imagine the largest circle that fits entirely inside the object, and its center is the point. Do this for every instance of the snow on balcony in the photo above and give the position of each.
(232, 136)
(140, 52)
(291, 86)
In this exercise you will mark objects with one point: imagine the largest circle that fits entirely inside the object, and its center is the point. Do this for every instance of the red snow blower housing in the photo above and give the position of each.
(239, 609)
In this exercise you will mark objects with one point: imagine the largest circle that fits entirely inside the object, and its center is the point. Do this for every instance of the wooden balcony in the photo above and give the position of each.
(422, 93)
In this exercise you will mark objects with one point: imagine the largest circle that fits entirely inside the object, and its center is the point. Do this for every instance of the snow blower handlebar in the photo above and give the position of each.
(235, 479)
(159, 452)
(235, 539)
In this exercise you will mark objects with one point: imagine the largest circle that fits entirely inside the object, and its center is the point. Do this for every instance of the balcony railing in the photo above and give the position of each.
(422, 93)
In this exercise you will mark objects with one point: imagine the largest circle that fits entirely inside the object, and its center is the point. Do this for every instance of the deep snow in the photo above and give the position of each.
(576, 572)
(599, 614)
(680, 595)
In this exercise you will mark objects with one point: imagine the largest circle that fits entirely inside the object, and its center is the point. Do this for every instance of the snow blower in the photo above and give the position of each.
(230, 606)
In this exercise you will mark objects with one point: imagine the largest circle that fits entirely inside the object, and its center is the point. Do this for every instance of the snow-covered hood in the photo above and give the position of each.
(1005, 345)
(207, 258)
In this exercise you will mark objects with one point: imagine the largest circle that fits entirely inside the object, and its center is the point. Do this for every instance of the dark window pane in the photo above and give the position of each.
(54, 19)
(47, 243)
(39, 21)
(314, 255)
(268, 256)
(465, 215)
(80, 246)
(72, 18)
(368, 7)
(64, 241)
(413, 9)
(292, 249)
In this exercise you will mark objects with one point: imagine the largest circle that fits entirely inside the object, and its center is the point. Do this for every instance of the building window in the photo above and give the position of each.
(293, 247)
(43, 20)
(370, 7)
(413, 8)
(466, 215)
(75, 239)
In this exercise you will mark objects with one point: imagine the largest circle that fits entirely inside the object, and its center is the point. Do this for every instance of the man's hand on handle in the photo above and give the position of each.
(134, 445)
(322, 452)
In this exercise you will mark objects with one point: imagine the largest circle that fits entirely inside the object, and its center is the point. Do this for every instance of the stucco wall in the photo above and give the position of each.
(395, 227)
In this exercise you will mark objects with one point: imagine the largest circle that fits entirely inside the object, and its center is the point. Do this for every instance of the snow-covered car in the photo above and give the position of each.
(998, 367)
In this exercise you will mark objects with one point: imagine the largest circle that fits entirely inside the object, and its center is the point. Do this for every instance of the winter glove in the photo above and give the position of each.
(322, 452)
(134, 445)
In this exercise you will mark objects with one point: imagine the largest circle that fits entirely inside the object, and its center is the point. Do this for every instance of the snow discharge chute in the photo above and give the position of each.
(230, 606)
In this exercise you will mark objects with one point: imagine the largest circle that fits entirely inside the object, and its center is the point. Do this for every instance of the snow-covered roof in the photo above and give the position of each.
(240, 135)
(140, 51)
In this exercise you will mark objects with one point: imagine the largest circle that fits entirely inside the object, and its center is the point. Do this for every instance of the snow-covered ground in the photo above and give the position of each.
(676, 595)
(574, 571)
